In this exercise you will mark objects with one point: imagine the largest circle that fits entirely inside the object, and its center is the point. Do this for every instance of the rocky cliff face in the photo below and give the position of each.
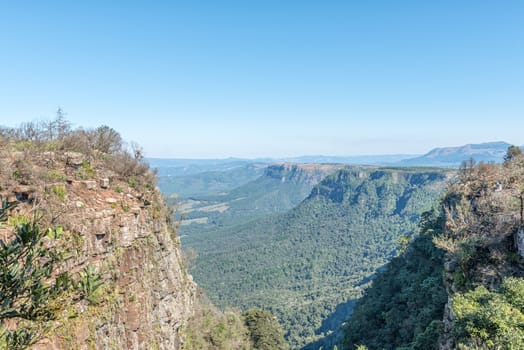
(353, 184)
(301, 173)
(117, 224)
(483, 236)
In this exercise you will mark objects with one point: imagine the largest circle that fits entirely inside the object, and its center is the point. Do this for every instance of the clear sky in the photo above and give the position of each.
(269, 78)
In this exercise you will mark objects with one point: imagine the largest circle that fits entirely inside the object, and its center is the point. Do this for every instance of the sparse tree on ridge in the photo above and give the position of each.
(513, 152)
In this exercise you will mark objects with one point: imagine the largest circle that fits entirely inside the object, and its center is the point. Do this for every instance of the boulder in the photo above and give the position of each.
(74, 158)
(450, 265)
(104, 183)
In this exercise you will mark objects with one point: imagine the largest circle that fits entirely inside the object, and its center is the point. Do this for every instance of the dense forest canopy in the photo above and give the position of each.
(460, 284)
(307, 265)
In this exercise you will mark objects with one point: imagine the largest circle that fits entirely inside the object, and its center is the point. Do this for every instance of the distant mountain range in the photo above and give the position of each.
(384, 159)
(182, 167)
(454, 156)
(225, 178)
(440, 157)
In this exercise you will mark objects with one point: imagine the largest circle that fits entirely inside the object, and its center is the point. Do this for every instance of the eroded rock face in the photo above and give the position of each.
(122, 231)
(446, 340)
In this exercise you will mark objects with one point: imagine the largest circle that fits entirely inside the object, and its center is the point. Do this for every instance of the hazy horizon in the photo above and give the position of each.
(291, 157)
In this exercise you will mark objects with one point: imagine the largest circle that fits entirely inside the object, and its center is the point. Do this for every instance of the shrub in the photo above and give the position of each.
(55, 175)
(30, 295)
(264, 330)
(60, 191)
(491, 319)
(209, 329)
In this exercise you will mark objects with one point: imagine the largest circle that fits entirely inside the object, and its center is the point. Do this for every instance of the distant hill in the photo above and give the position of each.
(305, 262)
(183, 167)
(454, 156)
(279, 188)
(441, 157)
(385, 159)
(207, 182)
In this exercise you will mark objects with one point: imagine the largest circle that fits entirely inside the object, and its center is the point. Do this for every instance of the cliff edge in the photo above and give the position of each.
(115, 229)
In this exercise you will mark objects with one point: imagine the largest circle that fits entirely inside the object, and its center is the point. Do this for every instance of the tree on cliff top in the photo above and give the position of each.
(512, 153)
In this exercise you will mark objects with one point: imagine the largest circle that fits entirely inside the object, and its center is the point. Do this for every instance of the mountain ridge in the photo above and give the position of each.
(279, 188)
(451, 156)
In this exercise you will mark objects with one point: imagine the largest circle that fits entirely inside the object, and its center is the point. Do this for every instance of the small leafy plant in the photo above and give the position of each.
(90, 284)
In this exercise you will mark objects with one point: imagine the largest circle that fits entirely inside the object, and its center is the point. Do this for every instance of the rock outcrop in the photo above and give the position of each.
(116, 223)
(483, 235)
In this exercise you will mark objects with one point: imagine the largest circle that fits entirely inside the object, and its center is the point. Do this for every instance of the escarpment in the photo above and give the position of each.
(129, 287)
(484, 265)
(460, 283)
(310, 174)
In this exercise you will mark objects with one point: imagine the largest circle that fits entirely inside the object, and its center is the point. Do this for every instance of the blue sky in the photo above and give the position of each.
(269, 78)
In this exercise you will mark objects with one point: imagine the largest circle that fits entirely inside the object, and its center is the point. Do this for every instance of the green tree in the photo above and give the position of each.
(512, 153)
(491, 319)
(264, 330)
(404, 306)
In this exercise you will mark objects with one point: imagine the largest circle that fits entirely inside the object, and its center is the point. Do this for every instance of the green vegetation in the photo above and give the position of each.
(470, 249)
(512, 153)
(229, 330)
(85, 172)
(211, 329)
(281, 188)
(403, 309)
(490, 319)
(59, 191)
(90, 284)
(14, 221)
(264, 330)
(56, 175)
(31, 295)
(302, 264)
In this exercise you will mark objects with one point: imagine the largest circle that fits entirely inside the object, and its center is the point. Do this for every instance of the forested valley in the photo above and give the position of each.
(308, 265)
